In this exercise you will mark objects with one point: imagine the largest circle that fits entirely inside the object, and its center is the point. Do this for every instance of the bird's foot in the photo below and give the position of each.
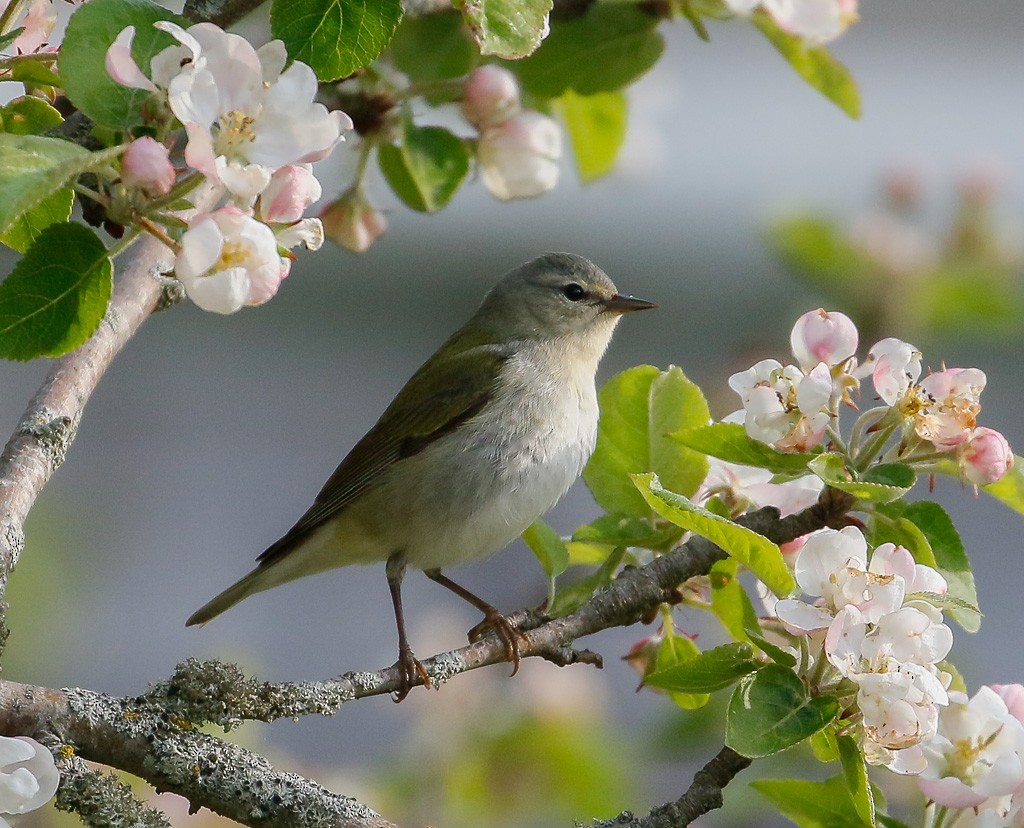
(496, 623)
(409, 670)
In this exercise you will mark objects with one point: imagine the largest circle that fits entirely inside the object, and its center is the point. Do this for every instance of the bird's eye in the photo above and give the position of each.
(574, 292)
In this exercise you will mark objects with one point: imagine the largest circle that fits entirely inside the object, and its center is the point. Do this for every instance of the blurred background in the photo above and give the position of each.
(742, 199)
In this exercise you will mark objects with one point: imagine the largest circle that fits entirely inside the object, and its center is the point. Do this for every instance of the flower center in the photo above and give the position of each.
(234, 254)
(236, 128)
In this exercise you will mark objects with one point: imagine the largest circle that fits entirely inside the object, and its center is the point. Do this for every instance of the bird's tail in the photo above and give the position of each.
(255, 581)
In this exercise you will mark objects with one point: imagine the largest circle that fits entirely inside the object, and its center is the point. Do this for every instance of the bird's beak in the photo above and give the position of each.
(625, 304)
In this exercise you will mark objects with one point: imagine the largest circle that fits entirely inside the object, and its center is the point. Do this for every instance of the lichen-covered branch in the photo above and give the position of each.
(703, 795)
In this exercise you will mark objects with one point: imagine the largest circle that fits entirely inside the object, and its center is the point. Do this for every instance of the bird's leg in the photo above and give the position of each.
(409, 667)
(493, 621)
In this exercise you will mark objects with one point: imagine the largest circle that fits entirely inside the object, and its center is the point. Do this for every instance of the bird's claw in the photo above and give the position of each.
(505, 630)
(409, 670)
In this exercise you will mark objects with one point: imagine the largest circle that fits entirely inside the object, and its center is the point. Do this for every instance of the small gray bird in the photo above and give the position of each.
(486, 437)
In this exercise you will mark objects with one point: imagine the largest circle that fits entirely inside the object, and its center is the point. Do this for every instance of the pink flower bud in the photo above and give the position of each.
(353, 222)
(986, 456)
(491, 96)
(823, 336)
(643, 655)
(146, 166)
(519, 157)
(291, 190)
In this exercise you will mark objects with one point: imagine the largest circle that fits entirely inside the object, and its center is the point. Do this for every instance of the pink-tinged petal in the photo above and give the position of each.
(889, 559)
(491, 95)
(199, 153)
(245, 181)
(201, 246)
(986, 456)
(353, 223)
(950, 792)
(823, 336)
(519, 157)
(38, 25)
(1013, 696)
(121, 66)
(194, 97)
(146, 165)
(292, 189)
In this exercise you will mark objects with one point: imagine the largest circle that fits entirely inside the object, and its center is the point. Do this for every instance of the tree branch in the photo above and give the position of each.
(703, 795)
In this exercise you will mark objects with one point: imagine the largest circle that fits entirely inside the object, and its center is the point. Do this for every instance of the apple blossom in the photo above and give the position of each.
(894, 366)
(783, 406)
(28, 775)
(977, 756)
(519, 156)
(228, 260)
(146, 165)
(37, 25)
(823, 336)
(353, 222)
(985, 457)
(741, 487)
(950, 402)
(490, 97)
(816, 20)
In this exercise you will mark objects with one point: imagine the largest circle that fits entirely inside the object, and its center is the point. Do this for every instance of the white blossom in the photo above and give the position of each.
(784, 407)
(28, 775)
(519, 156)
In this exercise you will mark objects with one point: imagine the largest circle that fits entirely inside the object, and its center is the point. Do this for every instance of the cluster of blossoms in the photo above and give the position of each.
(878, 628)
(976, 759)
(253, 130)
(518, 149)
(819, 21)
(793, 407)
(28, 776)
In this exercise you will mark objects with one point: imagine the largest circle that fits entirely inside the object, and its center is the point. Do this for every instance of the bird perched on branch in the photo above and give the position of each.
(483, 439)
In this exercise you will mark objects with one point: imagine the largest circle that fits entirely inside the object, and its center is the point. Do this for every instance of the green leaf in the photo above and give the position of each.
(1009, 490)
(625, 530)
(814, 64)
(433, 47)
(812, 804)
(572, 597)
(771, 710)
(334, 37)
(509, 29)
(754, 551)
(730, 442)
(774, 652)
(11, 36)
(639, 409)
(33, 168)
(882, 484)
(597, 127)
(676, 649)
(708, 671)
(550, 550)
(26, 228)
(729, 599)
(855, 772)
(950, 559)
(427, 167)
(91, 30)
(890, 526)
(824, 745)
(35, 74)
(56, 295)
(606, 49)
(28, 115)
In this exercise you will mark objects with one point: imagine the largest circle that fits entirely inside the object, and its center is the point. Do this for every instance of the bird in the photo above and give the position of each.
(484, 439)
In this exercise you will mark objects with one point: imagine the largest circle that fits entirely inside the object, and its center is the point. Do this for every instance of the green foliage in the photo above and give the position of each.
(771, 710)
(28, 115)
(335, 37)
(56, 295)
(814, 64)
(729, 600)
(757, 553)
(708, 671)
(604, 50)
(427, 166)
(91, 30)
(33, 168)
(729, 442)
(433, 47)
(509, 29)
(550, 550)
(676, 650)
(855, 772)
(26, 228)
(640, 408)
(808, 804)
(597, 127)
(625, 530)
(572, 597)
(879, 484)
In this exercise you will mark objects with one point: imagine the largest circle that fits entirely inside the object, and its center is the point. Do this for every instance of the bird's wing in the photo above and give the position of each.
(439, 398)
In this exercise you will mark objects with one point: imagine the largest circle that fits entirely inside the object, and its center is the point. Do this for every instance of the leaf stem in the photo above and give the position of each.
(91, 194)
(156, 230)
